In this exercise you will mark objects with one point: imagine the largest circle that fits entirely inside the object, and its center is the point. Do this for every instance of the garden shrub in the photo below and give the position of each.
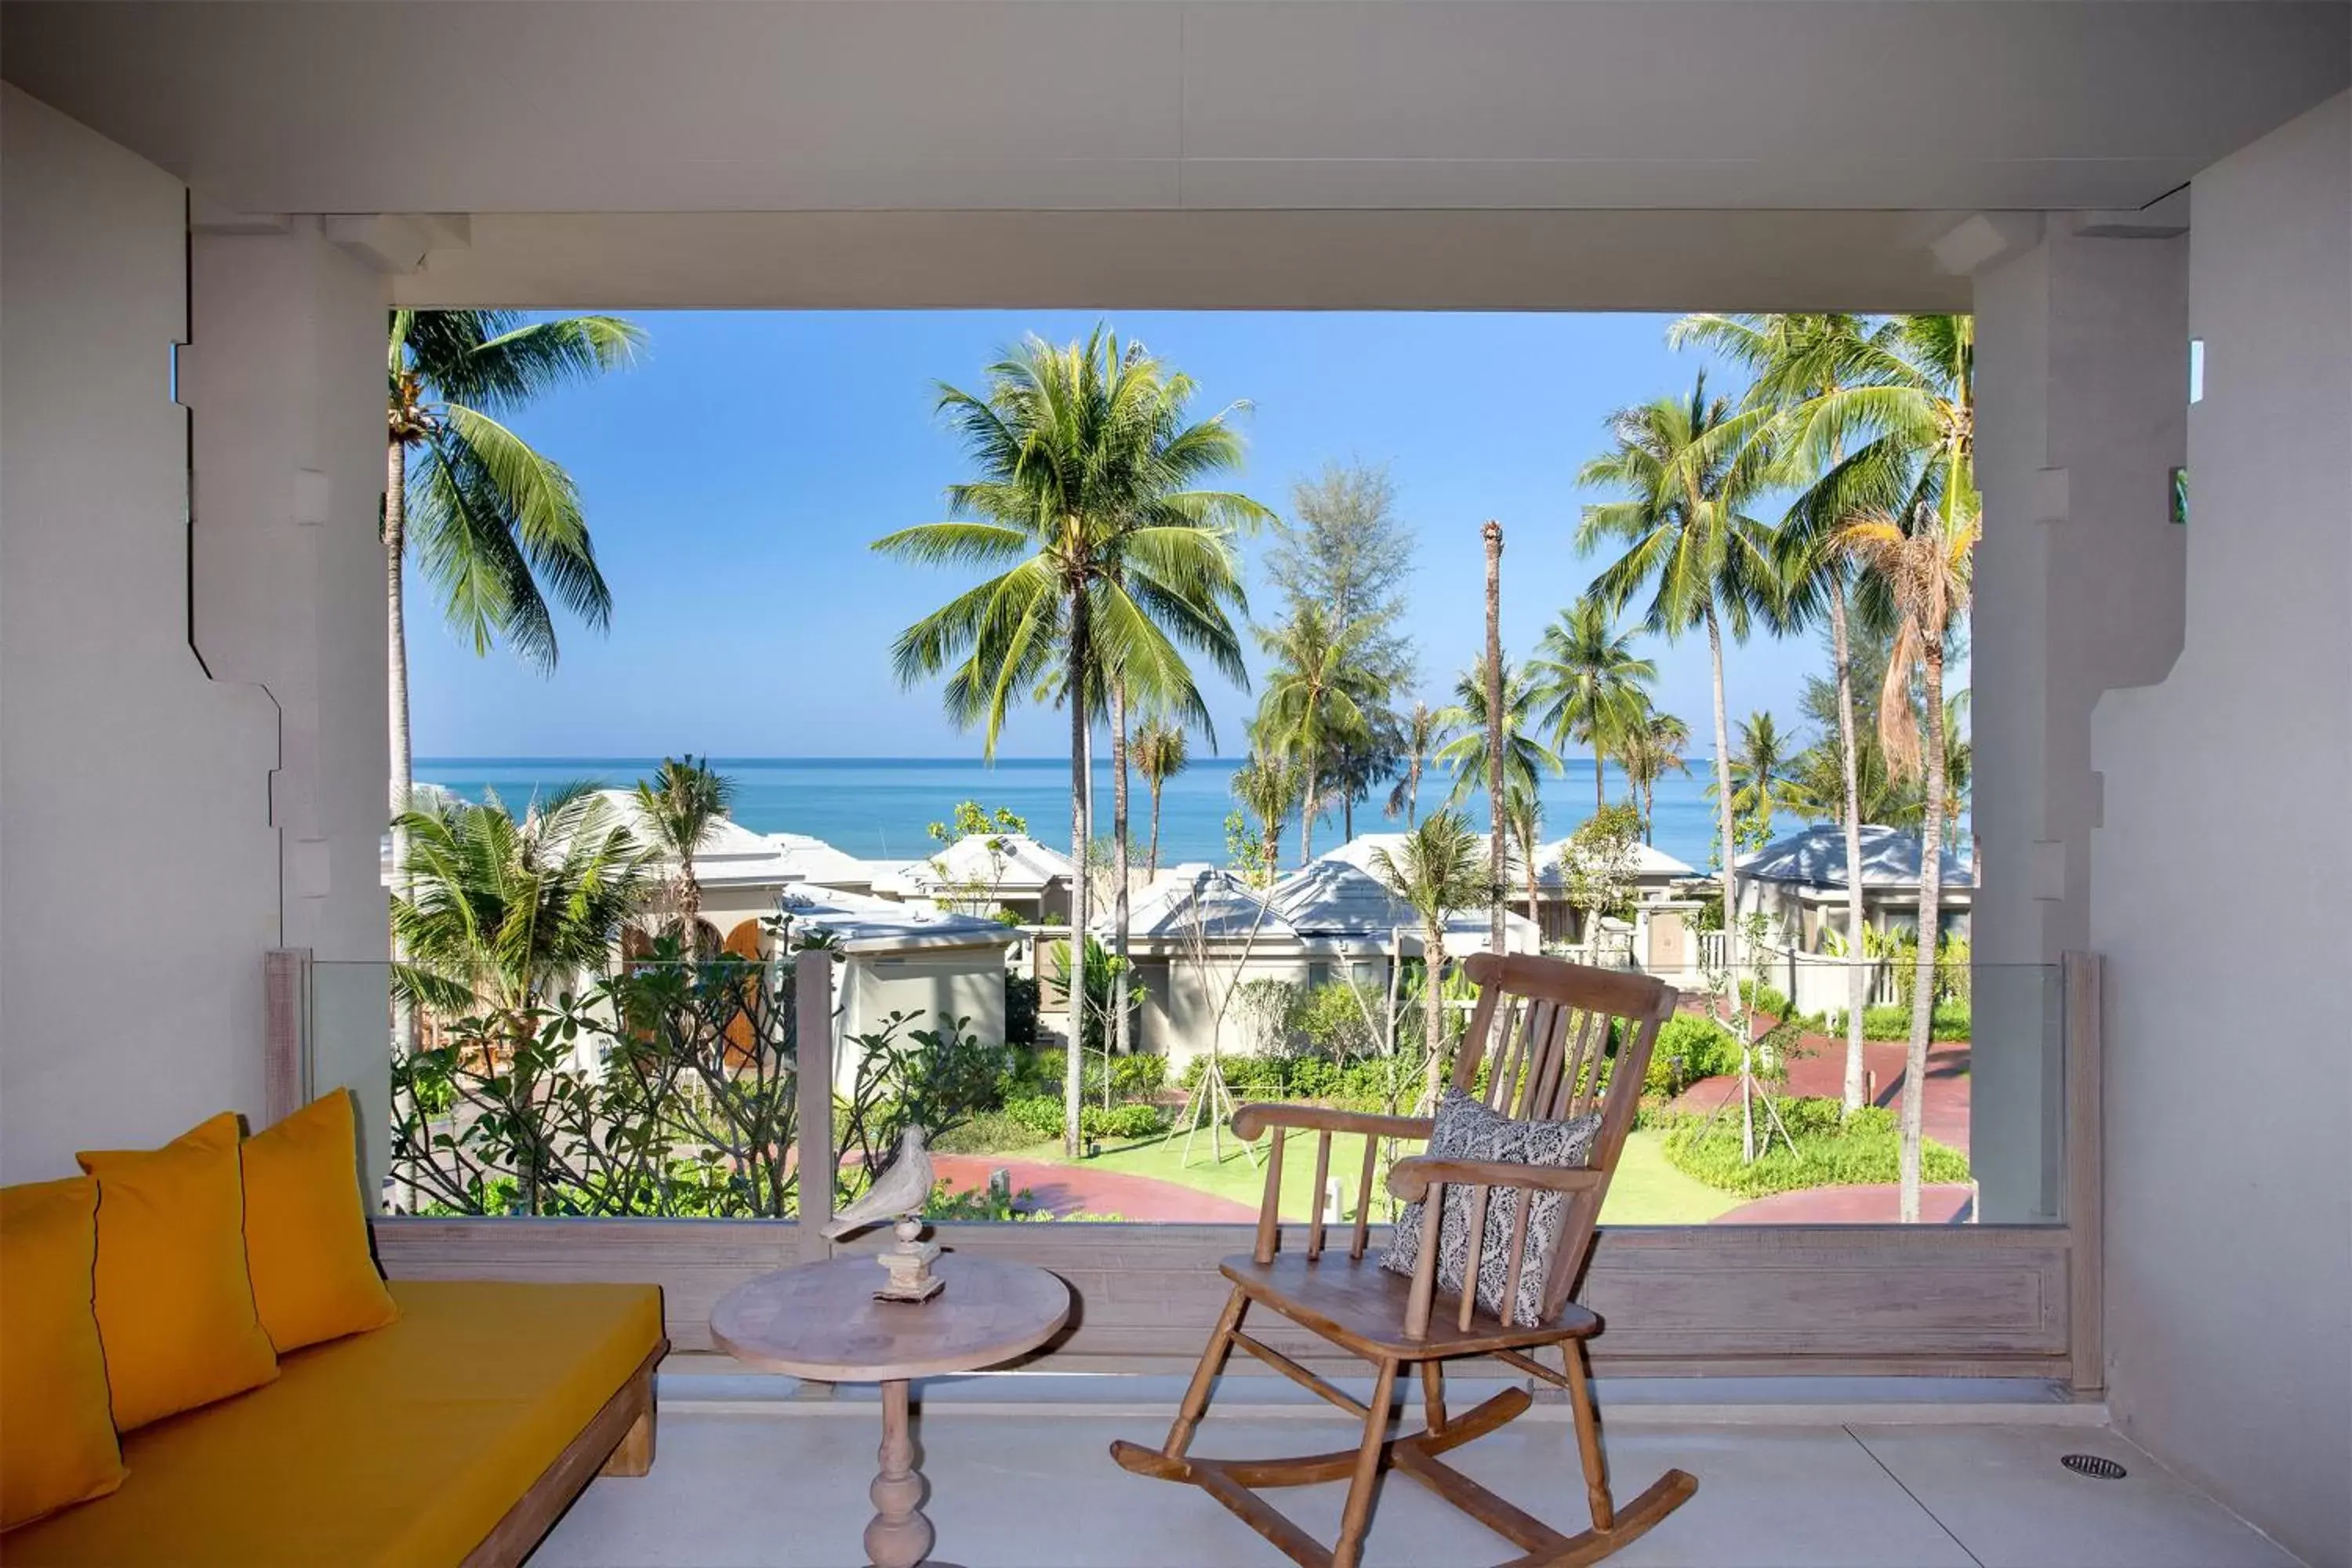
(1130, 1120)
(1337, 1020)
(1892, 1022)
(1689, 1049)
(1040, 1113)
(1832, 1150)
(992, 1131)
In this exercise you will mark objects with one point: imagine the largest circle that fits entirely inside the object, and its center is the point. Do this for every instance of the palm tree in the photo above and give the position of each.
(1267, 787)
(499, 910)
(1684, 469)
(1421, 730)
(1759, 771)
(1318, 688)
(1804, 365)
(1436, 870)
(1161, 751)
(1466, 754)
(496, 525)
(1493, 669)
(1591, 683)
(1107, 558)
(1922, 564)
(1648, 751)
(682, 804)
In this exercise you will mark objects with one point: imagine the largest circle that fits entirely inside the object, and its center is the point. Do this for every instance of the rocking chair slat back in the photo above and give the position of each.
(1565, 1041)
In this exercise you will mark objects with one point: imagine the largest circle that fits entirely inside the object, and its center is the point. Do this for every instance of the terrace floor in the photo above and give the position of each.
(1019, 1484)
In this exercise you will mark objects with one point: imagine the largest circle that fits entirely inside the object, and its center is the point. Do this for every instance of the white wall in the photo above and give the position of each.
(2082, 392)
(284, 378)
(192, 683)
(128, 781)
(2228, 1217)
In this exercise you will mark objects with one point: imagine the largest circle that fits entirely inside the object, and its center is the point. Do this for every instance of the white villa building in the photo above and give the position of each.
(904, 958)
(1201, 930)
(984, 873)
(1799, 884)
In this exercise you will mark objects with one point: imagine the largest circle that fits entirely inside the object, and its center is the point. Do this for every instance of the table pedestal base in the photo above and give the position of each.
(897, 1536)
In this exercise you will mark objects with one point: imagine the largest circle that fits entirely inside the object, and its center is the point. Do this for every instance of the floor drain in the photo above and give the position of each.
(2094, 1466)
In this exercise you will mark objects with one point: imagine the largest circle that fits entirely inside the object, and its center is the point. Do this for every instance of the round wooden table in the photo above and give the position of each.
(821, 1320)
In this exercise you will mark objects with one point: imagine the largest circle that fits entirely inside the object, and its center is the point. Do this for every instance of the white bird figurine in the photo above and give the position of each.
(903, 1189)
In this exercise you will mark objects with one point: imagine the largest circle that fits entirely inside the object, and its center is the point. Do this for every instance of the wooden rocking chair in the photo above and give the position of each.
(1548, 1025)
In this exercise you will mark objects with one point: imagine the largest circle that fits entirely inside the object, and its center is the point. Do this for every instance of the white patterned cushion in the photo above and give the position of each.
(1467, 1129)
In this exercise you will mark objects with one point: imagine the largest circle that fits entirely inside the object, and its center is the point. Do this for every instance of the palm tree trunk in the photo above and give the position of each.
(1535, 916)
(1432, 964)
(1599, 800)
(1931, 904)
(1857, 987)
(1121, 1026)
(1306, 810)
(1493, 533)
(1151, 863)
(1730, 882)
(396, 536)
(1074, 970)
(395, 533)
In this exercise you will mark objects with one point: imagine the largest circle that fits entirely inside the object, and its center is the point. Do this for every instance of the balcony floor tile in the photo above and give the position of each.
(783, 1486)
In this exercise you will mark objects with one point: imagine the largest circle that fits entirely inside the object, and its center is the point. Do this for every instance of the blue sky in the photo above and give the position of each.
(735, 479)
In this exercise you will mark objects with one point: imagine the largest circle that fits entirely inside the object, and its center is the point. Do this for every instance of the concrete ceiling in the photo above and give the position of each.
(642, 106)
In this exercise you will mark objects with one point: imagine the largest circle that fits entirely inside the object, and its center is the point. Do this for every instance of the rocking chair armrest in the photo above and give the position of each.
(1411, 1179)
(1259, 1115)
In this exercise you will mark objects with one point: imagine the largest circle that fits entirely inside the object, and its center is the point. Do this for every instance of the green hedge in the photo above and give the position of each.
(1894, 1022)
(1039, 1072)
(1689, 1049)
(1831, 1150)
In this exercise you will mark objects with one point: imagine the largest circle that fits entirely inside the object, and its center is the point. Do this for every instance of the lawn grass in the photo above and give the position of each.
(1646, 1190)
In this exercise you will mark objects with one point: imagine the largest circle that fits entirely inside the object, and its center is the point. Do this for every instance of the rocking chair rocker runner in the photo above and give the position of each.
(1548, 1026)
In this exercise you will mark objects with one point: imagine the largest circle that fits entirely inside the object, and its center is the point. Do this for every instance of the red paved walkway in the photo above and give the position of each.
(1817, 1068)
(1080, 1189)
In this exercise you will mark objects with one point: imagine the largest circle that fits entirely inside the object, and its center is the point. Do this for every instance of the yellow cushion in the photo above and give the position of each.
(56, 1435)
(401, 1449)
(306, 1234)
(174, 1305)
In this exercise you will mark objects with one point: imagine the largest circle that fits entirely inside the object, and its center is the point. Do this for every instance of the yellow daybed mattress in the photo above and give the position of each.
(401, 1447)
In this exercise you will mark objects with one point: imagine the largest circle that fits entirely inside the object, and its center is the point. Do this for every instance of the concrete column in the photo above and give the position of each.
(284, 376)
(2082, 392)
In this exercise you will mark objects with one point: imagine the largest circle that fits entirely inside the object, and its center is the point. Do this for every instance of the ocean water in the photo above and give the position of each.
(879, 807)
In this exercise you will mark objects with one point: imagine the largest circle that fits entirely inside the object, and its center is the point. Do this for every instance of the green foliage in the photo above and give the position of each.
(493, 526)
(1102, 966)
(1892, 1022)
(1340, 1019)
(670, 1089)
(1765, 998)
(1039, 1115)
(932, 1078)
(1598, 861)
(1085, 464)
(1267, 1012)
(499, 907)
(1132, 1120)
(988, 1131)
(1862, 1148)
(1038, 1073)
(1689, 1049)
(983, 1205)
